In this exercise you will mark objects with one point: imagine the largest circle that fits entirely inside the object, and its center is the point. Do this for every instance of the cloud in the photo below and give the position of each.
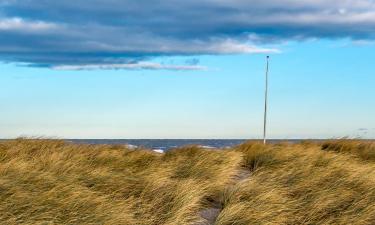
(16, 23)
(231, 47)
(98, 32)
(130, 66)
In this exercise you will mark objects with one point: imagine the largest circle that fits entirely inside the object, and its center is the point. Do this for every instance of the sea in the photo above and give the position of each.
(168, 144)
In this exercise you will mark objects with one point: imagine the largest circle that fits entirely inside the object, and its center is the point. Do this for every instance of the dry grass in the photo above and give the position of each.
(53, 182)
(364, 149)
(303, 185)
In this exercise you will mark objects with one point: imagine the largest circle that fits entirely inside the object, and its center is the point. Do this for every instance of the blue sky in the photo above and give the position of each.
(106, 72)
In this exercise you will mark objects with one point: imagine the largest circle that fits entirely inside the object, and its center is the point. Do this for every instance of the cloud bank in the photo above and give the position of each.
(123, 33)
(130, 66)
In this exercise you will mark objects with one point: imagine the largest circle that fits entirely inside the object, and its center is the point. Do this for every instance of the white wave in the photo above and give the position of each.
(161, 151)
(129, 146)
(206, 147)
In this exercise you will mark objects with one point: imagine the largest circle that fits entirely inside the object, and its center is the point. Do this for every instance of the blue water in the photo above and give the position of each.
(167, 144)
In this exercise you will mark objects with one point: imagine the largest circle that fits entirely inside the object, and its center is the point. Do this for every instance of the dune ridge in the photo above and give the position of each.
(56, 182)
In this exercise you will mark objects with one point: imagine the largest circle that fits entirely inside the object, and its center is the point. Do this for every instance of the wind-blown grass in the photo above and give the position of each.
(54, 182)
(363, 149)
(304, 185)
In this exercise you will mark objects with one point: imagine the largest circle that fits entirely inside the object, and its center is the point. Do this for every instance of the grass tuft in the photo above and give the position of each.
(256, 155)
(363, 149)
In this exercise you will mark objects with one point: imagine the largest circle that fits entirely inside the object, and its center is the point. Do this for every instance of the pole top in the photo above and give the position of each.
(268, 56)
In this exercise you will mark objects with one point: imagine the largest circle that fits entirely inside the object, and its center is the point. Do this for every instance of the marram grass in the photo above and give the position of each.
(55, 182)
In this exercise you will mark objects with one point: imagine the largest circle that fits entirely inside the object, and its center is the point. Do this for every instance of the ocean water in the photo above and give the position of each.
(167, 144)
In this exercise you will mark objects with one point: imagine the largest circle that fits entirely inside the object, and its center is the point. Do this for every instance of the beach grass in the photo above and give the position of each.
(56, 182)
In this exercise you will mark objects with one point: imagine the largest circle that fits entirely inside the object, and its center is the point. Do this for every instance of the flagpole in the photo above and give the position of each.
(265, 105)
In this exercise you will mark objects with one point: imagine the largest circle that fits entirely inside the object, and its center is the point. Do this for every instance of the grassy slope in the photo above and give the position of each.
(52, 182)
(301, 184)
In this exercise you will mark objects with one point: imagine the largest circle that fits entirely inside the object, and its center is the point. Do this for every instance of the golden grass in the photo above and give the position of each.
(54, 182)
(364, 149)
(304, 185)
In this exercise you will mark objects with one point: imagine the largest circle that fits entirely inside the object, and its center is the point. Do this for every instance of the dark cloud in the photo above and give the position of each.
(115, 32)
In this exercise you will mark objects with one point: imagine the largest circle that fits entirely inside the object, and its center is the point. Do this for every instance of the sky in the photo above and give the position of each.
(192, 69)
